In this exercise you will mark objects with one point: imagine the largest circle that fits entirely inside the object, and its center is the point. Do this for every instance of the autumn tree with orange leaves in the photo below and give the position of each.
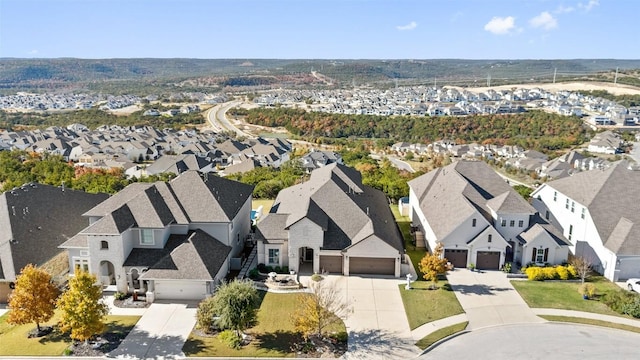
(33, 299)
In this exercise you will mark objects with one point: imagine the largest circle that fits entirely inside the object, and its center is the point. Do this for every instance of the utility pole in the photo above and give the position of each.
(555, 71)
(615, 79)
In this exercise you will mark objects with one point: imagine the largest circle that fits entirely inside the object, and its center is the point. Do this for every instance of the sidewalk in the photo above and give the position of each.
(587, 315)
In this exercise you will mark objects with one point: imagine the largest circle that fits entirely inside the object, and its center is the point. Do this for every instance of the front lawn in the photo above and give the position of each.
(423, 305)
(15, 342)
(273, 335)
(440, 334)
(565, 295)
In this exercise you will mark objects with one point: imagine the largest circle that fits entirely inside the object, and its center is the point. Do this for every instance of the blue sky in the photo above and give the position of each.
(325, 29)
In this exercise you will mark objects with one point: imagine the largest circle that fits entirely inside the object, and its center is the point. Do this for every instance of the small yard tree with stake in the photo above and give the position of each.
(318, 310)
(582, 266)
(33, 299)
(82, 308)
(433, 265)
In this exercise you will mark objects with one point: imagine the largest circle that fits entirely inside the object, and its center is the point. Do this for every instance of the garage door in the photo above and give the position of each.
(457, 257)
(331, 264)
(362, 265)
(180, 290)
(488, 260)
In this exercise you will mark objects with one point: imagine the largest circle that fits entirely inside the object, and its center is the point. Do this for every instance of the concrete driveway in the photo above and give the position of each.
(376, 323)
(160, 333)
(489, 299)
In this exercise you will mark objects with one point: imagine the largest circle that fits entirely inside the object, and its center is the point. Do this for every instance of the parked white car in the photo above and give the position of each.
(633, 284)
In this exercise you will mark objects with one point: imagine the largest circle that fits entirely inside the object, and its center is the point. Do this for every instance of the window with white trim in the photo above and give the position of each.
(520, 223)
(540, 255)
(566, 205)
(104, 245)
(570, 231)
(489, 238)
(146, 237)
(584, 213)
(573, 206)
(473, 222)
(555, 195)
(503, 223)
(274, 257)
(512, 223)
(81, 265)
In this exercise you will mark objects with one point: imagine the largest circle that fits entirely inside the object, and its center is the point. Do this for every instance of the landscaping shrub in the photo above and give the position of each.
(254, 274)
(120, 296)
(587, 289)
(616, 300)
(285, 269)
(340, 337)
(205, 315)
(67, 352)
(563, 272)
(572, 270)
(534, 273)
(278, 269)
(262, 268)
(632, 307)
(550, 273)
(316, 277)
(231, 339)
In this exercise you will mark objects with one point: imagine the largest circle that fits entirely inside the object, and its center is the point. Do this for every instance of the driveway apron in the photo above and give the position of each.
(489, 299)
(376, 322)
(159, 334)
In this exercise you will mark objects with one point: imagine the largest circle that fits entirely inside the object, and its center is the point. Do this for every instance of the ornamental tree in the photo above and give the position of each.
(432, 265)
(82, 308)
(33, 299)
(236, 305)
(318, 310)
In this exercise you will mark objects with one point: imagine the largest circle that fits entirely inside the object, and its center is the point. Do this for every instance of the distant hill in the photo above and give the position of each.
(165, 75)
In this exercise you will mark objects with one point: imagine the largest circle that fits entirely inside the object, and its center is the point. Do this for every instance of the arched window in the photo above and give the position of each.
(104, 245)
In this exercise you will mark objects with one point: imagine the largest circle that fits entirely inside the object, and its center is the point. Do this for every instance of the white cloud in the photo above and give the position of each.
(544, 20)
(590, 5)
(410, 26)
(501, 25)
(33, 52)
(564, 9)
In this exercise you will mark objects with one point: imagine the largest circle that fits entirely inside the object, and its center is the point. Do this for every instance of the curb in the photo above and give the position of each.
(442, 341)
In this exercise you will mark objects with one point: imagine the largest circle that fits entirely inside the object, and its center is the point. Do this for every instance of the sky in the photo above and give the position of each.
(320, 29)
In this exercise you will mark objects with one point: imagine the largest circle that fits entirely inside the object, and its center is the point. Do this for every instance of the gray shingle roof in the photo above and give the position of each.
(538, 226)
(39, 218)
(613, 200)
(335, 199)
(272, 227)
(199, 257)
(457, 191)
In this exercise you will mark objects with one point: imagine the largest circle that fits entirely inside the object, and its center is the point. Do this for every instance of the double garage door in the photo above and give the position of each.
(378, 266)
(488, 260)
(180, 290)
(359, 265)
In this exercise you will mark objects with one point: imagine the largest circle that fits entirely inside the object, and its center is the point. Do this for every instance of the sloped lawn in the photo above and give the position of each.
(274, 334)
(404, 224)
(565, 295)
(15, 342)
(423, 305)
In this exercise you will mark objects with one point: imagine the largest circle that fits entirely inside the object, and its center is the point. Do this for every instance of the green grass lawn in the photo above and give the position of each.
(565, 295)
(404, 224)
(594, 322)
(15, 342)
(440, 334)
(273, 335)
(423, 305)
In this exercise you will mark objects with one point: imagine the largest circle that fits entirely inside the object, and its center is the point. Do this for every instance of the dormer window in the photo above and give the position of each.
(104, 245)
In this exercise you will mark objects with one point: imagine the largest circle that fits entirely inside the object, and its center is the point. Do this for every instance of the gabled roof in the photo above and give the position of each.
(539, 226)
(198, 257)
(335, 199)
(272, 227)
(613, 200)
(190, 197)
(35, 219)
(461, 190)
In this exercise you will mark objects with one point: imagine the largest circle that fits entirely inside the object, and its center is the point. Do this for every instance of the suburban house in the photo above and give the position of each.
(318, 158)
(606, 142)
(168, 240)
(331, 223)
(34, 220)
(480, 219)
(598, 213)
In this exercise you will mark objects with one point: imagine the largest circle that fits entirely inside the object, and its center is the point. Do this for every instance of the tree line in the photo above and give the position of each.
(537, 130)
